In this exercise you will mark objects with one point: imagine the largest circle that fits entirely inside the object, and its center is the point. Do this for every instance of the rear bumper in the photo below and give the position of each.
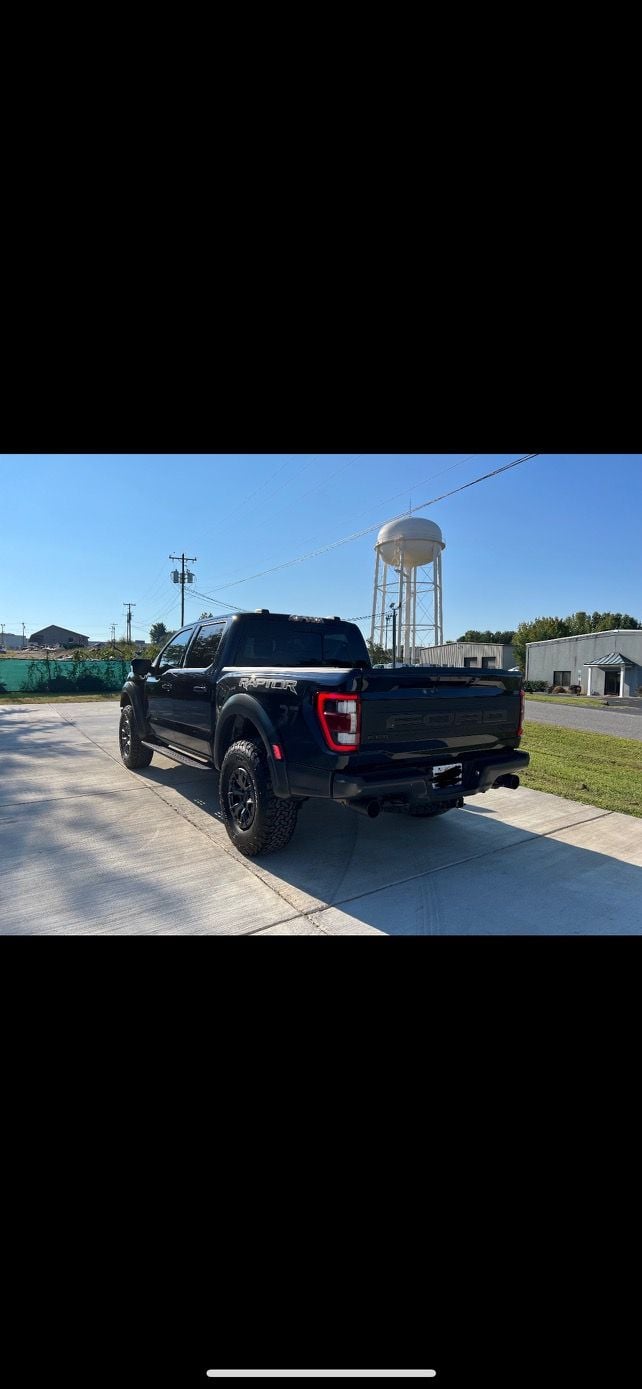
(479, 774)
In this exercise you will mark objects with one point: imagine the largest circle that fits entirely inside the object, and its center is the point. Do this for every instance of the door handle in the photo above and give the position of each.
(199, 689)
(166, 688)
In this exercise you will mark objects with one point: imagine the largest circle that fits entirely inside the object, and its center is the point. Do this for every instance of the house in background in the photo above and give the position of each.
(58, 636)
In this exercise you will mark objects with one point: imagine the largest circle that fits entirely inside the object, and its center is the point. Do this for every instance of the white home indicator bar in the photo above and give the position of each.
(321, 1374)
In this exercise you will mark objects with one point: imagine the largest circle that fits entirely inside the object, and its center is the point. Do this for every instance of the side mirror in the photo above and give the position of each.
(141, 666)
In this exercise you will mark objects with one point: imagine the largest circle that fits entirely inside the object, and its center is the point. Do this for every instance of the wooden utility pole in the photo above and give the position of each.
(183, 578)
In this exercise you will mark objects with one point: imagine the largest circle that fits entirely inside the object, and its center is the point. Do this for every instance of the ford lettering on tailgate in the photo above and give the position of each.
(407, 723)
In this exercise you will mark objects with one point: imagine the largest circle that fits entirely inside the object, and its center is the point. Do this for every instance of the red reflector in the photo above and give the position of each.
(277, 752)
(340, 719)
(520, 727)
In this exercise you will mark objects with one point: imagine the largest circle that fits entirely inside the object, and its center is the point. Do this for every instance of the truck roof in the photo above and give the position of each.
(281, 617)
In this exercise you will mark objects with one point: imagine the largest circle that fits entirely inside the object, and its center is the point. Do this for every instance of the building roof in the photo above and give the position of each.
(53, 628)
(614, 658)
(584, 636)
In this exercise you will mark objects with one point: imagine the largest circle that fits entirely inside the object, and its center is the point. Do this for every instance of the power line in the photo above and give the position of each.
(208, 598)
(287, 483)
(245, 501)
(383, 500)
(153, 583)
(357, 535)
(327, 477)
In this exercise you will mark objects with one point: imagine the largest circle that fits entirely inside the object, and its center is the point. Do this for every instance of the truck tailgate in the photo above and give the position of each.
(430, 710)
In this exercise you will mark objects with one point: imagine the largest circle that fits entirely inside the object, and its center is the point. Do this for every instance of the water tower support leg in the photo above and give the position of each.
(439, 619)
(401, 578)
(384, 594)
(408, 641)
(374, 598)
(413, 649)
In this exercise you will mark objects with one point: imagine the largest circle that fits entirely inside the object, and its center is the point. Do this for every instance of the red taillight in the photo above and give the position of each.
(340, 719)
(520, 727)
(278, 755)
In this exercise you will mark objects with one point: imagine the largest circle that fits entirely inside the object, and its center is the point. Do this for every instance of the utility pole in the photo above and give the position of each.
(113, 636)
(2, 626)
(129, 607)
(23, 636)
(183, 578)
(391, 614)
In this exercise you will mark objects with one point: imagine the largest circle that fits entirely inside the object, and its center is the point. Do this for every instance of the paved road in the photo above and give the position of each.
(90, 848)
(592, 720)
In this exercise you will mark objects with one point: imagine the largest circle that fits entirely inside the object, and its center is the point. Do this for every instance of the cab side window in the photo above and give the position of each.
(174, 651)
(202, 652)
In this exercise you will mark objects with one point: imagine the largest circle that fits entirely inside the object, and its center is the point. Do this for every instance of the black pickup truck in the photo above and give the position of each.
(288, 707)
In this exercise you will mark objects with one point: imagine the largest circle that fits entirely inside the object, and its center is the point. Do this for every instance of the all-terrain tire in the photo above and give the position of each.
(426, 812)
(133, 753)
(257, 821)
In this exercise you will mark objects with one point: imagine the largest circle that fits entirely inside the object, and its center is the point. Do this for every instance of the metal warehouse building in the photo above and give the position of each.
(603, 663)
(58, 636)
(484, 655)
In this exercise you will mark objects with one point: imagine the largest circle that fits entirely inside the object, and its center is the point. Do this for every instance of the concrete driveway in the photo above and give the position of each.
(90, 848)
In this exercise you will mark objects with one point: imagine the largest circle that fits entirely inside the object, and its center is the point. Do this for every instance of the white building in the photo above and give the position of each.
(480, 655)
(601, 663)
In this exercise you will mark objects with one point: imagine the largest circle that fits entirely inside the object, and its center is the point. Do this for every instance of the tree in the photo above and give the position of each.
(540, 629)
(579, 623)
(606, 622)
(205, 615)
(504, 638)
(158, 633)
(378, 654)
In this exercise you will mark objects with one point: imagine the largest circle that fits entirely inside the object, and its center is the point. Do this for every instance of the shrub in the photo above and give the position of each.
(535, 686)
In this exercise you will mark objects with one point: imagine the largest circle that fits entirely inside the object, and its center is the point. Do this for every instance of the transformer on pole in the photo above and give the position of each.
(185, 576)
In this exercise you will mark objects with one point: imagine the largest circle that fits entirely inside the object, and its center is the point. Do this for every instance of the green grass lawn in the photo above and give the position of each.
(28, 698)
(591, 767)
(588, 702)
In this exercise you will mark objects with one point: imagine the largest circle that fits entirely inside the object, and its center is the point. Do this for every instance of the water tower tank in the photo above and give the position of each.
(410, 546)
(418, 540)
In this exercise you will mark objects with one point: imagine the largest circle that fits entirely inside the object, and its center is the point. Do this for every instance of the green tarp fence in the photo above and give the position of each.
(62, 677)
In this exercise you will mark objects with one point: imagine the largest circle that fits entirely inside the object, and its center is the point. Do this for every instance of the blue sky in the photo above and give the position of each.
(83, 533)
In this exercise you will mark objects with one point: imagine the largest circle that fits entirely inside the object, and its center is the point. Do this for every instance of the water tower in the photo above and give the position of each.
(408, 573)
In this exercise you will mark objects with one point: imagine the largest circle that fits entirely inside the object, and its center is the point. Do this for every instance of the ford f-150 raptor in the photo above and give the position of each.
(287, 708)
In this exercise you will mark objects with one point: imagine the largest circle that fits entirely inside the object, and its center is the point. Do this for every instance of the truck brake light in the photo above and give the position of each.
(340, 719)
(520, 726)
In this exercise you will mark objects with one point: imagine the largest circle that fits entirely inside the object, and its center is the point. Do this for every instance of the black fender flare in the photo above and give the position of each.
(244, 706)
(131, 694)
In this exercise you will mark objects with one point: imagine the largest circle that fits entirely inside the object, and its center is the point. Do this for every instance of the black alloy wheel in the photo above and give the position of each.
(257, 821)
(241, 798)
(133, 752)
